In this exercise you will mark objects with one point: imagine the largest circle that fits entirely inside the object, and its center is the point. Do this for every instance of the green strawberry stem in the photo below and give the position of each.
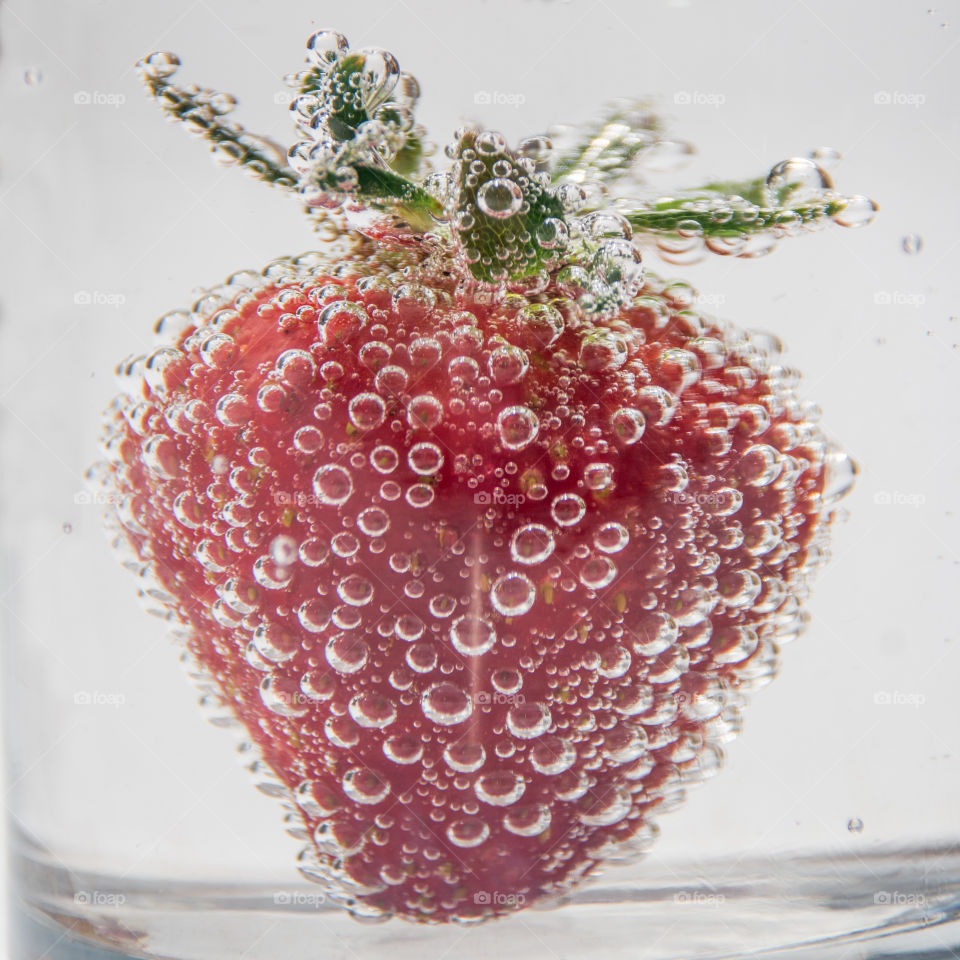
(670, 216)
(196, 108)
(388, 190)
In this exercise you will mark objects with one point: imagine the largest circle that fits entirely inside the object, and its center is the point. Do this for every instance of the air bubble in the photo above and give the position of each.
(513, 594)
(424, 412)
(403, 748)
(467, 833)
(333, 485)
(367, 411)
(568, 509)
(425, 459)
(507, 365)
(346, 654)
(628, 425)
(500, 198)
(373, 521)
(858, 211)
(355, 590)
(464, 756)
(529, 821)
(372, 710)
(384, 459)
(500, 788)
(517, 427)
(472, 636)
(308, 440)
(795, 182)
(446, 704)
(604, 808)
(912, 243)
(282, 696)
(314, 615)
(532, 543)
(597, 573)
(365, 786)
(598, 476)
(528, 720)
(552, 756)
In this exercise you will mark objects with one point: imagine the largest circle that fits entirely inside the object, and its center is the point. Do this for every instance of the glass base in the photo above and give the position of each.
(903, 903)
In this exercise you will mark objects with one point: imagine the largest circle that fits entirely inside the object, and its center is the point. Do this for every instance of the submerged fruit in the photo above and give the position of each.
(483, 534)
(459, 608)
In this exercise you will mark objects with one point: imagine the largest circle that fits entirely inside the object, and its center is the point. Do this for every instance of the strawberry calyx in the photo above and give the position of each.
(532, 215)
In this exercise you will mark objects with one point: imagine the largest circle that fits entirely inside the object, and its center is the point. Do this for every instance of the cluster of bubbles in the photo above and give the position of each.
(352, 108)
(527, 216)
(509, 222)
(203, 113)
(797, 195)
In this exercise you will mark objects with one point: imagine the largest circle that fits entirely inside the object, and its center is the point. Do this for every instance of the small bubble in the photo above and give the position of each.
(467, 833)
(528, 720)
(446, 704)
(500, 198)
(912, 243)
(794, 182)
(508, 364)
(332, 485)
(367, 411)
(500, 788)
(858, 211)
(517, 427)
(513, 594)
(464, 756)
(365, 786)
(855, 825)
(472, 636)
(32, 76)
(160, 65)
(531, 544)
(568, 509)
(68, 528)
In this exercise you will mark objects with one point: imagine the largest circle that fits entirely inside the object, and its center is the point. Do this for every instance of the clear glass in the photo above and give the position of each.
(832, 826)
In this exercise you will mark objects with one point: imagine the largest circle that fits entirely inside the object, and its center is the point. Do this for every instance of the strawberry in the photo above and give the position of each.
(480, 531)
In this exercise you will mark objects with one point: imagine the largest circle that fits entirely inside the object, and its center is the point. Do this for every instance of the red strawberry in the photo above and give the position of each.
(483, 574)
